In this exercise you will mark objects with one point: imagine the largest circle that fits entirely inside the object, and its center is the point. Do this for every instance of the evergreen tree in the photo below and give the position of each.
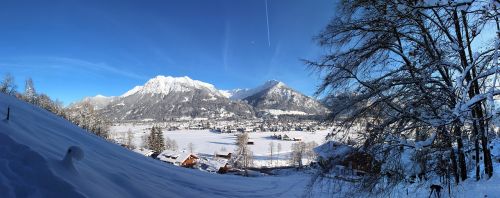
(155, 139)
(30, 92)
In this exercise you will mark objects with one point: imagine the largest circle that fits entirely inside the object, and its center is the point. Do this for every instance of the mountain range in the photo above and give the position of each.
(165, 98)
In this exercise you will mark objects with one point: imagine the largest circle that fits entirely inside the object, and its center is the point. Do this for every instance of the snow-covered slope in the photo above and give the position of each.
(33, 143)
(132, 91)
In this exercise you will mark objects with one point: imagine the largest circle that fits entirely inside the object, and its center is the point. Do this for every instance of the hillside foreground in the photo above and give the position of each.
(34, 142)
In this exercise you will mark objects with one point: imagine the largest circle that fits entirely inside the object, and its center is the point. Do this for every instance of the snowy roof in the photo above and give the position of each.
(144, 151)
(333, 149)
(173, 157)
(215, 164)
(223, 152)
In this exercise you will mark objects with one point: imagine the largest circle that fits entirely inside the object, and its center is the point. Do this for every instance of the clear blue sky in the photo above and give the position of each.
(73, 48)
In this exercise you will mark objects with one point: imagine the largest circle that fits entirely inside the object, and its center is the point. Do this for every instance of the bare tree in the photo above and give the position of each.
(145, 141)
(87, 118)
(130, 137)
(405, 69)
(8, 85)
(297, 154)
(244, 156)
(311, 155)
(271, 150)
(171, 144)
(191, 147)
(278, 152)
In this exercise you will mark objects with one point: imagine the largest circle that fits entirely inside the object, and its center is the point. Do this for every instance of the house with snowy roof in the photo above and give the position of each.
(184, 159)
(333, 149)
(218, 165)
(146, 152)
(344, 158)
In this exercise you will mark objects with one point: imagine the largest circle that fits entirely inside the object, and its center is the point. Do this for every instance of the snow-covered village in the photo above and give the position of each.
(250, 98)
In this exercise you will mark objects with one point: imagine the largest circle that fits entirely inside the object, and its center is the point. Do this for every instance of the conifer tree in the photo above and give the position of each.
(155, 139)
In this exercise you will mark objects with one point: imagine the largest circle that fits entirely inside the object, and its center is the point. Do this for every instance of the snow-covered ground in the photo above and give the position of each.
(207, 143)
(33, 143)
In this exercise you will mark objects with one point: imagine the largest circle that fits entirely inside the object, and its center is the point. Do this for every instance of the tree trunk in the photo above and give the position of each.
(454, 166)
(488, 163)
(477, 112)
(461, 156)
(488, 166)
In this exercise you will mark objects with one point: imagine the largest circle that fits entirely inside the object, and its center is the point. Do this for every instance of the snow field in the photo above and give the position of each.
(207, 143)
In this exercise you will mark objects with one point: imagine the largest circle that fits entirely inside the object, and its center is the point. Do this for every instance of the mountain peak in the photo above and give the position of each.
(100, 96)
(273, 83)
(166, 84)
(162, 78)
(238, 94)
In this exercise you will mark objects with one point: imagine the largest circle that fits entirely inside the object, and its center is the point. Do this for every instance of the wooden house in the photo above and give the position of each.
(183, 159)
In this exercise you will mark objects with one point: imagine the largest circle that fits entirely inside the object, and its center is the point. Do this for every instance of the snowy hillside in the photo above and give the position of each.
(33, 143)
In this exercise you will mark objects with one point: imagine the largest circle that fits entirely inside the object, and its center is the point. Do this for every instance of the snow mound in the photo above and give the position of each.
(25, 173)
(74, 152)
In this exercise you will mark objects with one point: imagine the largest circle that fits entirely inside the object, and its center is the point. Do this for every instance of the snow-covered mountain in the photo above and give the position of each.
(239, 94)
(165, 98)
(98, 102)
(275, 98)
(168, 84)
(33, 143)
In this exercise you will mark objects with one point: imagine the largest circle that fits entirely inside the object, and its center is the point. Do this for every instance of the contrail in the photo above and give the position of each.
(267, 20)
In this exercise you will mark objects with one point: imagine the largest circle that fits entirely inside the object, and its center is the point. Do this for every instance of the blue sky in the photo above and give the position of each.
(73, 49)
